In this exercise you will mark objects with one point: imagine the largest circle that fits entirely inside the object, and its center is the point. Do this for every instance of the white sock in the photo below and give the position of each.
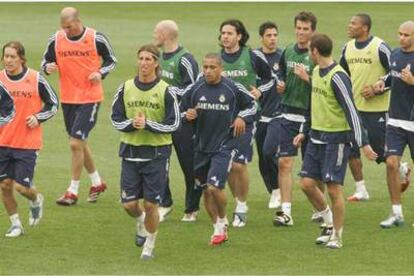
(35, 203)
(74, 187)
(360, 186)
(224, 220)
(276, 193)
(217, 229)
(150, 241)
(241, 206)
(327, 216)
(15, 221)
(287, 207)
(95, 178)
(397, 210)
(141, 218)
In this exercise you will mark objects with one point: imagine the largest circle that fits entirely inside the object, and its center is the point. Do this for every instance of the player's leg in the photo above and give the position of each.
(7, 192)
(396, 141)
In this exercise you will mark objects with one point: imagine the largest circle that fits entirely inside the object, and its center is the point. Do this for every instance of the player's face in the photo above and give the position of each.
(229, 37)
(303, 32)
(355, 27)
(269, 39)
(71, 27)
(12, 61)
(158, 37)
(147, 64)
(406, 37)
(212, 70)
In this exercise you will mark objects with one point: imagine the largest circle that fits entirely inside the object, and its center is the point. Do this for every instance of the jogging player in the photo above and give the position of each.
(21, 139)
(83, 57)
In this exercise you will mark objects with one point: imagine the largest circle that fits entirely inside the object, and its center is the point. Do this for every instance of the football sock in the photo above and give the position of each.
(287, 208)
(327, 216)
(95, 178)
(360, 186)
(241, 206)
(15, 221)
(397, 210)
(35, 203)
(74, 187)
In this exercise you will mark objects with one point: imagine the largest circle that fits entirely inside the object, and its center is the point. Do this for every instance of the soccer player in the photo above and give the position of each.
(333, 121)
(7, 111)
(221, 109)
(83, 57)
(294, 81)
(269, 103)
(366, 58)
(21, 139)
(179, 69)
(400, 125)
(245, 66)
(146, 112)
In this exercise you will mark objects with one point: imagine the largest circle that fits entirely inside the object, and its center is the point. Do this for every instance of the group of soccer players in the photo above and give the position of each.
(287, 99)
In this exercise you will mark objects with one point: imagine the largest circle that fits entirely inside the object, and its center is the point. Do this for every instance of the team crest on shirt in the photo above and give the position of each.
(123, 194)
(222, 99)
(276, 67)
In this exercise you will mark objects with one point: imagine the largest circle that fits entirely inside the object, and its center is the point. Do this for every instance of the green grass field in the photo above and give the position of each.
(99, 238)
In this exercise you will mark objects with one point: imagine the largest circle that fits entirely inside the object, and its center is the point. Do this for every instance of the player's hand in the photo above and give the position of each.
(191, 114)
(368, 92)
(300, 71)
(32, 121)
(139, 120)
(239, 126)
(407, 76)
(51, 67)
(280, 87)
(255, 92)
(297, 141)
(95, 77)
(369, 152)
(379, 86)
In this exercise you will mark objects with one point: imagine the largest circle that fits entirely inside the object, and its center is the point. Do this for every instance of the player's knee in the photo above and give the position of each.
(306, 185)
(392, 163)
(334, 191)
(237, 167)
(130, 207)
(6, 185)
(76, 144)
(285, 164)
(150, 207)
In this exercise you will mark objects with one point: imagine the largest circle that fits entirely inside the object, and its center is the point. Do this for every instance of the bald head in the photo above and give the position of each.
(69, 14)
(408, 25)
(70, 22)
(168, 28)
(406, 36)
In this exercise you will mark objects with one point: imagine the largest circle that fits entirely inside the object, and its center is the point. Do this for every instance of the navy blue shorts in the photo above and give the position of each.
(18, 164)
(285, 132)
(144, 180)
(374, 123)
(244, 145)
(326, 162)
(397, 139)
(213, 168)
(80, 119)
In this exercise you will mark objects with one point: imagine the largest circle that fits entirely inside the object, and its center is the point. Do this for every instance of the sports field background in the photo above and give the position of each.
(99, 238)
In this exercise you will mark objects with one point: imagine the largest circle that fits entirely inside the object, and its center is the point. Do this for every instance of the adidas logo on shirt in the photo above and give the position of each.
(26, 180)
(381, 120)
(203, 99)
(79, 132)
